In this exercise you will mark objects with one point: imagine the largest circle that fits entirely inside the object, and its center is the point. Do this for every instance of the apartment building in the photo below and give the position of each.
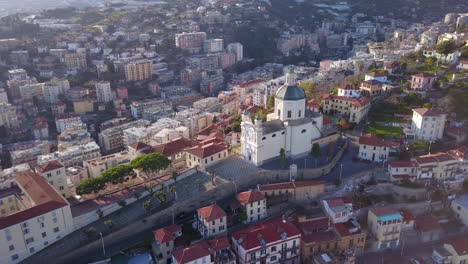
(273, 241)
(213, 45)
(29, 152)
(353, 109)
(54, 173)
(68, 120)
(385, 224)
(95, 167)
(73, 135)
(73, 156)
(137, 107)
(193, 42)
(439, 166)
(38, 216)
(237, 49)
(211, 221)
(373, 148)
(253, 204)
(214, 251)
(31, 90)
(338, 209)
(194, 119)
(402, 170)
(423, 81)
(371, 88)
(139, 70)
(104, 92)
(349, 91)
(8, 117)
(164, 242)
(454, 251)
(54, 88)
(112, 139)
(428, 123)
(76, 61)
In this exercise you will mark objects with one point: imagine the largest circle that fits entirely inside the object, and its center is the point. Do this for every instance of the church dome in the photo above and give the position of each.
(290, 90)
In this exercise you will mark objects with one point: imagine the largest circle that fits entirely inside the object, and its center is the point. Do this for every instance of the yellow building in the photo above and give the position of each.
(385, 224)
(139, 70)
(83, 107)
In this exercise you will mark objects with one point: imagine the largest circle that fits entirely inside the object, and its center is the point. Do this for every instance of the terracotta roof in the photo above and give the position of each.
(349, 87)
(45, 198)
(49, 166)
(192, 253)
(313, 103)
(166, 234)
(172, 147)
(428, 111)
(427, 223)
(211, 212)
(401, 164)
(407, 215)
(139, 146)
(373, 140)
(437, 157)
(250, 197)
(208, 150)
(346, 229)
(219, 243)
(289, 185)
(361, 101)
(383, 210)
(424, 75)
(460, 245)
(339, 201)
(461, 152)
(265, 232)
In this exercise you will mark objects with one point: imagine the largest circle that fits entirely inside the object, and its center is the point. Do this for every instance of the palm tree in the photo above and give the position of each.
(147, 205)
(173, 190)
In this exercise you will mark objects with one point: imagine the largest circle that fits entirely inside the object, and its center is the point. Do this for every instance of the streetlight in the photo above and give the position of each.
(341, 169)
(102, 242)
(430, 143)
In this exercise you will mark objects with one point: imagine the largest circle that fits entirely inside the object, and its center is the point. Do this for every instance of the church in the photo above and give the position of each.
(290, 127)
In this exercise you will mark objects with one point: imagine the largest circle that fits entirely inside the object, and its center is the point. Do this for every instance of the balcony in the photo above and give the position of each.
(392, 232)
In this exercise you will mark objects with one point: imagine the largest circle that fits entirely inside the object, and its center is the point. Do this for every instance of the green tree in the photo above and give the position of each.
(446, 47)
(431, 60)
(464, 51)
(151, 163)
(271, 101)
(109, 223)
(334, 91)
(161, 195)
(90, 185)
(309, 88)
(118, 174)
(282, 158)
(147, 205)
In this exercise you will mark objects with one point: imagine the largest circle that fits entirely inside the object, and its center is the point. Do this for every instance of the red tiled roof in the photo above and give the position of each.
(427, 223)
(289, 185)
(339, 201)
(313, 226)
(461, 152)
(45, 198)
(265, 232)
(424, 75)
(320, 237)
(437, 157)
(354, 101)
(313, 103)
(203, 151)
(219, 243)
(373, 140)
(383, 210)
(250, 197)
(49, 166)
(460, 245)
(349, 87)
(401, 164)
(428, 111)
(211, 212)
(191, 253)
(248, 83)
(166, 234)
(344, 229)
(407, 215)
(172, 147)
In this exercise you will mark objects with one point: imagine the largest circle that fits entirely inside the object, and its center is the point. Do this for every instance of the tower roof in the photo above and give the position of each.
(292, 92)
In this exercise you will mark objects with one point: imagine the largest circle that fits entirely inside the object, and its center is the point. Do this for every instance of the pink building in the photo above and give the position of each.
(122, 93)
(154, 88)
(423, 81)
(226, 60)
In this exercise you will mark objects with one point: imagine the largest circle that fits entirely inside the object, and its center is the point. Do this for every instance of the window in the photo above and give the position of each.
(11, 247)
(273, 258)
(263, 138)
(289, 114)
(46, 243)
(273, 248)
(61, 188)
(56, 230)
(263, 251)
(274, 135)
(31, 250)
(49, 175)
(29, 240)
(213, 222)
(300, 113)
(44, 234)
(221, 220)
(252, 256)
(14, 257)
(282, 133)
(303, 131)
(279, 112)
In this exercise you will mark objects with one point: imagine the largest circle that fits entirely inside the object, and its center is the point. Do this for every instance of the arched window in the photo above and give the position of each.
(274, 135)
(282, 133)
(303, 131)
(263, 138)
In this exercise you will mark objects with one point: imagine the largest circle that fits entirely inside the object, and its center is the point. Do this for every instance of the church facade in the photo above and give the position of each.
(290, 127)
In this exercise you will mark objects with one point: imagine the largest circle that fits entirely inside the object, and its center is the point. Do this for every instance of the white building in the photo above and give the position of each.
(65, 121)
(272, 241)
(37, 216)
(428, 123)
(54, 173)
(253, 204)
(96, 167)
(211, 221)
(289, 128)
(349, 91)
(73, 156)
(374, 148)
(104, 92)
(54, 88)
(213, 45)
(339, 209)
(237, 49)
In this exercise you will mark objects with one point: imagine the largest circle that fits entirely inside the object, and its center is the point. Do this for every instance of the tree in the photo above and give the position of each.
(90, 185)
(150, 188)
(271, 101)
(161, 195)
(309, 88)
(175, 175)
(431, 60)
(118, 174)
(282, 158)
(464, 51)
(151, 163)
(334, 91)
(109, 223)
(446, 47)
(122, 203)
(344, 125)
(315, 152)
(147, 205)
